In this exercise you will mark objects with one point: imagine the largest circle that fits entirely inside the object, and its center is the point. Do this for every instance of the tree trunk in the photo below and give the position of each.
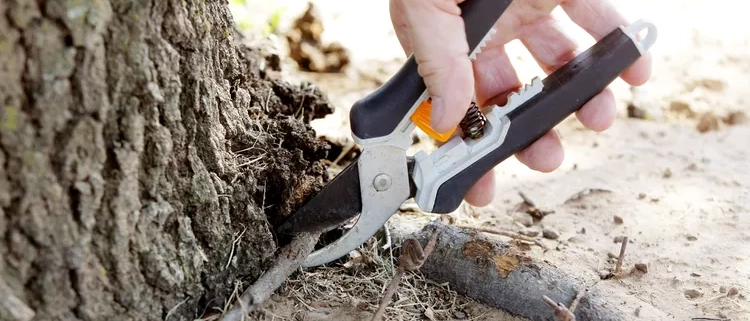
(144, 158)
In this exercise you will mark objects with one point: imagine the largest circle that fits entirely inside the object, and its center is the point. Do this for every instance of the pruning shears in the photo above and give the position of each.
(383, 176)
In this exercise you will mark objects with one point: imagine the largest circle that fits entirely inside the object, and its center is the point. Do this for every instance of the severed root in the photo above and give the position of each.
(412, 258)
(561, 312)
(288, 259)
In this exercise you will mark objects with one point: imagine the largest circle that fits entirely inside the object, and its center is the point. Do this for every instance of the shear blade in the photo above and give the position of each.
(372, 219)
(334, 205)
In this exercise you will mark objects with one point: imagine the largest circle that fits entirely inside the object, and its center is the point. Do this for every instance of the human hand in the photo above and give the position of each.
(433, 31)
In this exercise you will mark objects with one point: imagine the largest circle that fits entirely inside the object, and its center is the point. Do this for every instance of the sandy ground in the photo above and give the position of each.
(683, 194)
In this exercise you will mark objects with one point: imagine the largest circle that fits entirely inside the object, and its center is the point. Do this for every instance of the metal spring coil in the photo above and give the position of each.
(473, 123)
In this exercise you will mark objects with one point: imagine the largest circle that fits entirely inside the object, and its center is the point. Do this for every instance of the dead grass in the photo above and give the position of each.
(362, 281)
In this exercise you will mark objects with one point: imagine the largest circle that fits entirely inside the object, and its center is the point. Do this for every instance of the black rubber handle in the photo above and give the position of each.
(565, 91)
(379, 113)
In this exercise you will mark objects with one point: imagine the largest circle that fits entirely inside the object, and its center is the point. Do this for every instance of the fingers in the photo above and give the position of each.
(400, 24)
(599, 18)
(483, 192)
(551, 47)
(545, 154)
(548, 43)
(494, 75)
(433, 31)
(599, 113)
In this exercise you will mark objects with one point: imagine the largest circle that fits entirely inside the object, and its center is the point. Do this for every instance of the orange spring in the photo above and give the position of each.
(472, 124)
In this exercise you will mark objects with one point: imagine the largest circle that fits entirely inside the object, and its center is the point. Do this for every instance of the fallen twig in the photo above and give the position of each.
(509, 234)
(412, 257)
(586, 191)
(531, 207)
(288, 260)
(500, 275)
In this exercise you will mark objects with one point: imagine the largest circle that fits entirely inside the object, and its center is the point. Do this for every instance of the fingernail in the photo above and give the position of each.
(437, 117)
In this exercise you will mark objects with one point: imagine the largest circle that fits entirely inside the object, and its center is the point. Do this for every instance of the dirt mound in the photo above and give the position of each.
(306, 45)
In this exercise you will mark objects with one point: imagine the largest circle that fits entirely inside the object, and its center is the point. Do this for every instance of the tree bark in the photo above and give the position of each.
(144, 157)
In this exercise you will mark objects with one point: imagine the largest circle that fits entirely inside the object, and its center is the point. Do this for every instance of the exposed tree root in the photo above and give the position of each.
(288, 259)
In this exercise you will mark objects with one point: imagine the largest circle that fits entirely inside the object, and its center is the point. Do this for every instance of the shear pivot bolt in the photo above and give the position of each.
(381, 182)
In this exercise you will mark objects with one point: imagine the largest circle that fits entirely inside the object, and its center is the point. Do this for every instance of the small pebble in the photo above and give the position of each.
(605, 274)
(643, 267)
(618, 220)
(582, 231)
(733, 291)
(667, 173)
(636, 112)
(460, 315)
(638, 311)
(612, 255)
(641, 196)
(722, 289)
(693, 293)
(524, 218)
(530, 232)
(691, 237)
(618, 239)
(550, 233)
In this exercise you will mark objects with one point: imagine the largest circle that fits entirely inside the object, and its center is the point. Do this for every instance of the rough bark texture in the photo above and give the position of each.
(142, 152)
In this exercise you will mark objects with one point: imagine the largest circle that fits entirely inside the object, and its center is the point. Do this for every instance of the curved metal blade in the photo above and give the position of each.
(387, 164)
(372, 219)
(339, 201)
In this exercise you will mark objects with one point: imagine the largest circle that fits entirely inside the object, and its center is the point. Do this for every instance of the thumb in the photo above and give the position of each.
(437, 38)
